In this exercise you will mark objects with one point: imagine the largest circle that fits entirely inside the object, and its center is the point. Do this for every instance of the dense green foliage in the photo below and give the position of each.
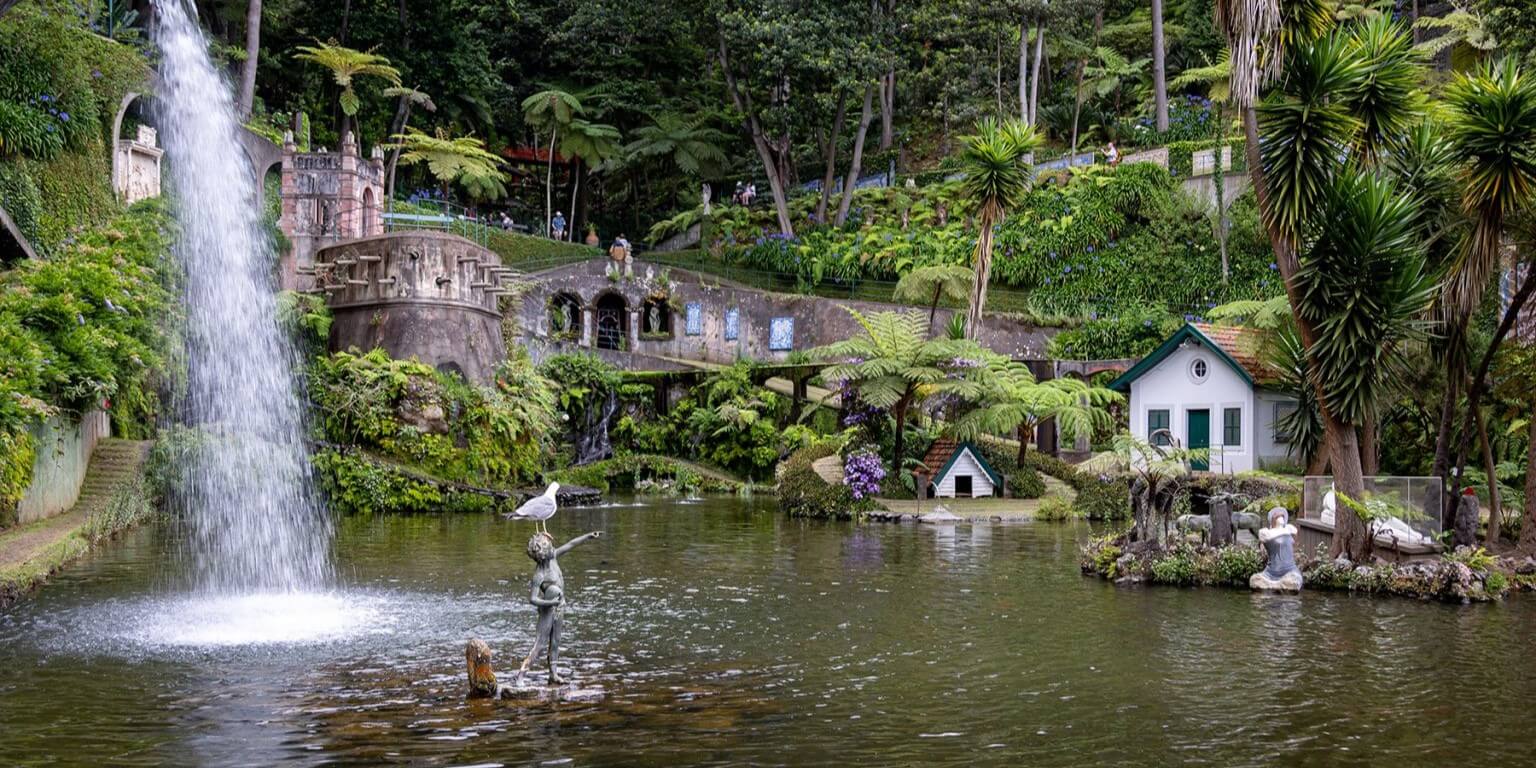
(85, 329)
(802, 492)
(409, 412)
(643, 473)
(60, 87)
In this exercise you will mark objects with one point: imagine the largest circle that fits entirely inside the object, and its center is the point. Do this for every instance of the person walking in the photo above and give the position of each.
(557, 226)
(1112, 154)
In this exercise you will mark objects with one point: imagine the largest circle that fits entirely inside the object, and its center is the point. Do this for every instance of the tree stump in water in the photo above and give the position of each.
(482, 678)
(1221, 523)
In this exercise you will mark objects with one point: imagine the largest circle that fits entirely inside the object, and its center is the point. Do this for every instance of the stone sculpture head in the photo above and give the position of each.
(541, 548)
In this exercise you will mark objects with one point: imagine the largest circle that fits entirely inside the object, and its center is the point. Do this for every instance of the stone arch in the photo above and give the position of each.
(370, 212)
(612, 320)
(565, 315)
(656, 317)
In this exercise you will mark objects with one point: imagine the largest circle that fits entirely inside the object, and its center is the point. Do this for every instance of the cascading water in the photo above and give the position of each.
(255, 524)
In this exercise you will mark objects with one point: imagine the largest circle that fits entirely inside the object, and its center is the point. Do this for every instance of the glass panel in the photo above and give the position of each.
(1158, 420)
(1232, 426)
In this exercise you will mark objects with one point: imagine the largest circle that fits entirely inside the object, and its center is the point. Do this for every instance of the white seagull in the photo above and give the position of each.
(539, 508)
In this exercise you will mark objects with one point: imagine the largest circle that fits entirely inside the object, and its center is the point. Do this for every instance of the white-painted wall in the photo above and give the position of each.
(965, 464)
(1270, 452)
(1170, 385)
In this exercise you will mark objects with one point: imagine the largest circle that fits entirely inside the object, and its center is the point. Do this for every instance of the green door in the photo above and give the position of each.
(1200, 437)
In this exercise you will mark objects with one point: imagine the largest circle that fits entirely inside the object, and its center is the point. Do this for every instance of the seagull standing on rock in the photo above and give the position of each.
(539, 508)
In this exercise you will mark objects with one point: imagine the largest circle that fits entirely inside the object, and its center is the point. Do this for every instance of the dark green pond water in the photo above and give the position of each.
(724, 634)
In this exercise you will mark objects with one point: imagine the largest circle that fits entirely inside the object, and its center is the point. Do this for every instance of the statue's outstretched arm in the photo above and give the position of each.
(578, 541)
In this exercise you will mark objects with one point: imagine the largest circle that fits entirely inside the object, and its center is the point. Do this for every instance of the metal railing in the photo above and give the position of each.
(436, 216)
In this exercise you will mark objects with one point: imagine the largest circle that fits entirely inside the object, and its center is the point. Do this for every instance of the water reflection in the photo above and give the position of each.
(724, 634)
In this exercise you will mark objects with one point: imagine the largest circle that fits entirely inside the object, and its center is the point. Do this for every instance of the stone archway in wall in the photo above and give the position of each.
(656, 319)
(259, 151)
(565, 316)
(612, 320)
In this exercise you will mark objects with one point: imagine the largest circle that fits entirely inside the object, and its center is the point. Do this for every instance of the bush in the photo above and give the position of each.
(1178, 568)
(1133, 332)
(413, 413)
(802, 492)
(638, 472)
(1025, 483)
(1055, 508)
(1235, 564)
(355, 485)
(1104, 498)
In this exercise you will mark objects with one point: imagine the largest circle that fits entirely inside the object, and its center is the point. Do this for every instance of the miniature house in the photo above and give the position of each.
(1207, 387)
(960, 472)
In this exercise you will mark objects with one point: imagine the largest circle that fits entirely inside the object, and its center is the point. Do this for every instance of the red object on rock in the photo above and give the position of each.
(1467, 491)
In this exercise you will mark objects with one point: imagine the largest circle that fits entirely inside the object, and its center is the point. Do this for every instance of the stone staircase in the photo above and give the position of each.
(29, 553)
(114, 464)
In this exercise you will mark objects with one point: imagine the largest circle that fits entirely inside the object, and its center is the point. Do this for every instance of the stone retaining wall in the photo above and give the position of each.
(64, 448)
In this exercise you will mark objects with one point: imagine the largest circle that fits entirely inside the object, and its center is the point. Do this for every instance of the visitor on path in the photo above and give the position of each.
(621, 251)
(557, 226)
(1112, 154)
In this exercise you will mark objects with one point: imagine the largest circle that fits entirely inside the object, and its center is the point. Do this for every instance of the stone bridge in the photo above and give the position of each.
(661, 313)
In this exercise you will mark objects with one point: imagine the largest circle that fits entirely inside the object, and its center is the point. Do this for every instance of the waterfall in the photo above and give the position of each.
(254, 521)
(592, 443)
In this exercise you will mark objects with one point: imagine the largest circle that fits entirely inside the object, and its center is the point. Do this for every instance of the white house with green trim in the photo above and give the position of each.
(1207, 387)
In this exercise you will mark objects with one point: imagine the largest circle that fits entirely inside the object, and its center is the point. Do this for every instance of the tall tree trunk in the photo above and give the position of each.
(1370, 446)
(1160, 74)
(1528, 523)
(1077, 90)
(865, 117)
(900, 413)
(1024, 73)
(888, 109)
(1495, 511)
(1442, 465)
(549, 184)
(933, 308)
(252, 53)
(1350, 537)
(402, 116)
(346, 20)
(1034, 77)
(742, 99)
(575, 188)
(1477, 386)
(830, 157)
(1023, 434)
(988, 220)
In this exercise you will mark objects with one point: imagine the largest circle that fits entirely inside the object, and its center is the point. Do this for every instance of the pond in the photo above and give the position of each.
(725, 634)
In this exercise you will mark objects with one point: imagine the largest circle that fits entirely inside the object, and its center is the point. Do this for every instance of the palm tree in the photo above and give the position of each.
(551, 109)
(591, 145)
(1493, 125)
(410, 98)
(932, 284)
(1016, 402)
(461, 160)
(1315, 133)
(996, 179)
(346, 66)
(685, 143)
(895, 365)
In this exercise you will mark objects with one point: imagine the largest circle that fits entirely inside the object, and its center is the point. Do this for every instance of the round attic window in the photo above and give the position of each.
(1199, 369)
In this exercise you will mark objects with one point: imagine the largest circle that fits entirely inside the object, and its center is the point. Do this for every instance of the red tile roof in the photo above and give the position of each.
(939, 453)
(1243, 345)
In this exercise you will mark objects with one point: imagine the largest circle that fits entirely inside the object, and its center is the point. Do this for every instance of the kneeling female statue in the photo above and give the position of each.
(1279, 540)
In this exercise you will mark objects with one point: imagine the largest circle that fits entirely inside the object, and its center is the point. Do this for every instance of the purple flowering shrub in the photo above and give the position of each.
(863, 472)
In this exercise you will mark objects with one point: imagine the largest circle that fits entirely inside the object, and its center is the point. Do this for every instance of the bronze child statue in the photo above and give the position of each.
(547, 594)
